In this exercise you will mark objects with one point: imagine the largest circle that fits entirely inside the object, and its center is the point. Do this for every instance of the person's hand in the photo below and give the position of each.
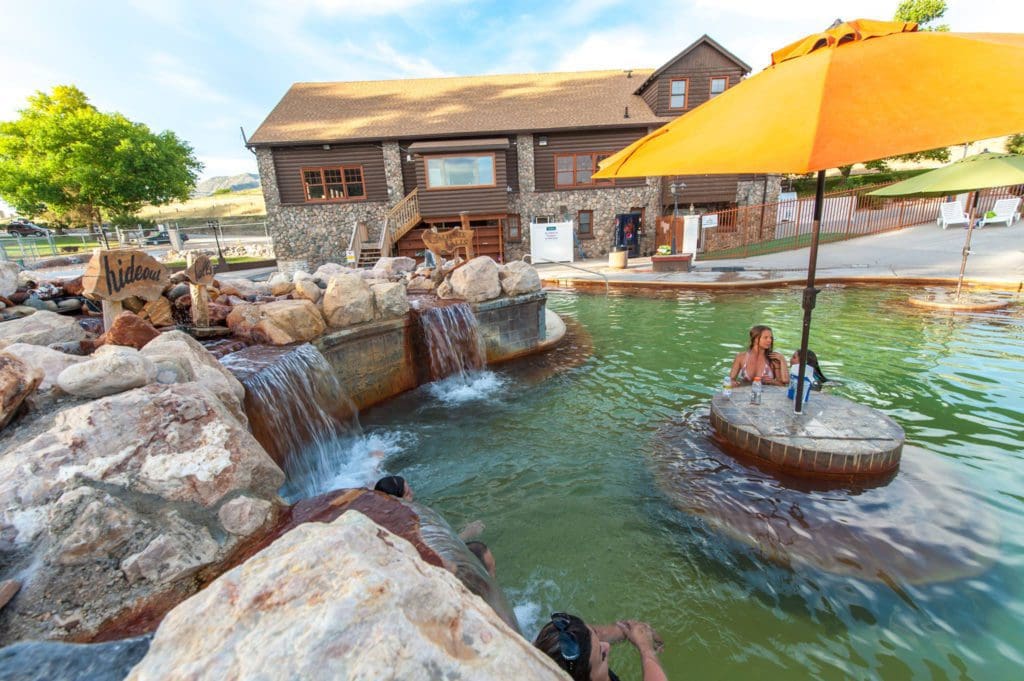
(642, 635)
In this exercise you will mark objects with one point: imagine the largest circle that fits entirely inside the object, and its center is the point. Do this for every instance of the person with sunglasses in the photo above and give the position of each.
(582, 650)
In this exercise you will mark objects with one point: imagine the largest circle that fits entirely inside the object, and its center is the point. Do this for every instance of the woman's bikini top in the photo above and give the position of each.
(768, 374)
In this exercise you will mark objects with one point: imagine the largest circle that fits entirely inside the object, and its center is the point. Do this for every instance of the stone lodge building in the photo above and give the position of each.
(368, 166)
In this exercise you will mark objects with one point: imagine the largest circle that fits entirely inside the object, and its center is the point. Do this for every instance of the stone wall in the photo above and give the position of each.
(605, 203)
(318, 233)
(374, 361)
(512, 327)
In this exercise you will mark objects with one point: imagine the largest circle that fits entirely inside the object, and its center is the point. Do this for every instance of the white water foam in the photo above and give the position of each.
(356, 461)
(473, 386)
(528, 604)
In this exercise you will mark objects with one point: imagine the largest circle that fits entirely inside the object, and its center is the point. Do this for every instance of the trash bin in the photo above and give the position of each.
(617, 258)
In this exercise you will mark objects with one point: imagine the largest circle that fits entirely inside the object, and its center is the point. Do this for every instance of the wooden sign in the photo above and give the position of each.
(122, 273)
(199, 273)
(113, 275)
(446, 243)
(200, 269)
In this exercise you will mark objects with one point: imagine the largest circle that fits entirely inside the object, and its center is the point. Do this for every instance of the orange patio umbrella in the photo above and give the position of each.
(859, 91)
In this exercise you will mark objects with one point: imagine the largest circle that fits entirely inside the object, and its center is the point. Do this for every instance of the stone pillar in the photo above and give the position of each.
(393, 173)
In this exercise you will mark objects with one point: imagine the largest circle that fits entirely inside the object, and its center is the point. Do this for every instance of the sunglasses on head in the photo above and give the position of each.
(568, 646)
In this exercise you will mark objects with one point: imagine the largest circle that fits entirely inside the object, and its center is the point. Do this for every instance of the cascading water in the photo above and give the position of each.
(301, 415)
(451, 343)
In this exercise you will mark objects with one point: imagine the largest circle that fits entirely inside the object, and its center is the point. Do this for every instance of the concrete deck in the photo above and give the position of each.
(833, 437)
(923, 254)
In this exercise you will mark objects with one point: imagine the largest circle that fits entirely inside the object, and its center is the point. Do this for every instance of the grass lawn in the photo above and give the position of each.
(245, 203)
(66, 245)
(231, 260)
(773, 246)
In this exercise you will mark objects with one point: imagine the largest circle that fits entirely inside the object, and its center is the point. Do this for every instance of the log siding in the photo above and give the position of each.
(289, 163)
(576, 143)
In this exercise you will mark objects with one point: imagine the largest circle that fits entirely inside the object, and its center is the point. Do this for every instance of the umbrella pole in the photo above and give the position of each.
(810, 293)
(967, 243)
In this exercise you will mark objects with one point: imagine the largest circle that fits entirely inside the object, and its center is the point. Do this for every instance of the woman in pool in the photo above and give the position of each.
(759, 360)
(582, 650)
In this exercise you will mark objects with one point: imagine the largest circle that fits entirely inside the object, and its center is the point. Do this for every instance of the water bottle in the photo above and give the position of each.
(727, 386)
(794, 374)
(755, 391)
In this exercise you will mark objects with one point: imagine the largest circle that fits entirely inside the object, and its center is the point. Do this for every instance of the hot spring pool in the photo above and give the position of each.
(602, 494)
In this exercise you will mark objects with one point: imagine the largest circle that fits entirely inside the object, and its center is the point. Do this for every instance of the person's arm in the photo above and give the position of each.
(779, 369)
(610, 633)
(735, 371)
(647, 641)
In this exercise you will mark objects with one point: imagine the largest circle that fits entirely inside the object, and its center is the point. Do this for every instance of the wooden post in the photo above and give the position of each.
(111, 308)
(199, 272)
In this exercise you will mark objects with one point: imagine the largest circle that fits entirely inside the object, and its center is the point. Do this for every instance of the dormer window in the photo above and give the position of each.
(718, 85)
(678, 88)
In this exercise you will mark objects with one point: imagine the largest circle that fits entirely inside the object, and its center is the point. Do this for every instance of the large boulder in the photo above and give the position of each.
(391, 267)
(50, 661)
(17, 381)
(374, 610)
(477, 280)
(208, 371)
(280, 284)
(116, 505)
(281, 322)
(8, 278)
(50, 362)
(41, 328)
(243, 288)
(348, 300)
(306, 289)
(390, 300)
(518, 277)
(111, 369)
(324, 273)
(130, 330)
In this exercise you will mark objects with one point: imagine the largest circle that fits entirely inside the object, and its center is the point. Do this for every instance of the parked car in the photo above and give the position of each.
(161, 238)
(26, 228)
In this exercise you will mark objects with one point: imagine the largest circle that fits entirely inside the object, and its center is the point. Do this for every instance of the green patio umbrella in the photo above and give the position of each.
(972, 174)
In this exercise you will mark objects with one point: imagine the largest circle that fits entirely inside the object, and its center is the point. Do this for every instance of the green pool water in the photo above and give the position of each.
(602, 494)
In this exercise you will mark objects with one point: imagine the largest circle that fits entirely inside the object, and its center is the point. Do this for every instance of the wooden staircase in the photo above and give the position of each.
(368, 255)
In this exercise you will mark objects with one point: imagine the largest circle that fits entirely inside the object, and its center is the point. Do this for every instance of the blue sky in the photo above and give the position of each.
(202, 69)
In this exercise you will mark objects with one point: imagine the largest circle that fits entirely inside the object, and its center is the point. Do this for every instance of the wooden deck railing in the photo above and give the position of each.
(773, 227)
(399, 220)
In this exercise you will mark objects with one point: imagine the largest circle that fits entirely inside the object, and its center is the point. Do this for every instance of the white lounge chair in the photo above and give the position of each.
(1006, 210)
(951, 213)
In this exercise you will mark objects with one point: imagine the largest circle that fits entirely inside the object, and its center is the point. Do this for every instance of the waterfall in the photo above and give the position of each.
(450, 342)
(299, 412)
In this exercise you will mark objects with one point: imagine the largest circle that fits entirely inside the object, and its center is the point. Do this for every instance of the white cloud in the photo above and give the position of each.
(215, 166)
(171, 72)
(632, 49)
(22, 79)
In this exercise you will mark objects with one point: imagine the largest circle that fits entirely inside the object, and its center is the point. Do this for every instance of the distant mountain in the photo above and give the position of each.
(232, 182)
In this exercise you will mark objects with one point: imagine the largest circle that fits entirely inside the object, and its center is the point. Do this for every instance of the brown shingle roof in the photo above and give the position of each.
(437, 107)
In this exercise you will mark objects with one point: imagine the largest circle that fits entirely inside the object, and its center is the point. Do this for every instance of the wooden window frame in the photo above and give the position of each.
(426, 172)
(711, 80)
(594, 157)
(686, 94)
(323, 183)
(579, 224)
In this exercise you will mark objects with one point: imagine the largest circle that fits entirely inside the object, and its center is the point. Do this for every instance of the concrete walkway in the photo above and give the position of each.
(920, 254)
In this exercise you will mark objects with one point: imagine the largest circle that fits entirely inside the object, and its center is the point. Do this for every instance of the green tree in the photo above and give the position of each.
(1015, 145)
(924, 12)
(65, 157)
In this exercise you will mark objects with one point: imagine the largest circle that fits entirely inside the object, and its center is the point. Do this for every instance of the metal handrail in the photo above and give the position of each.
(607, 287)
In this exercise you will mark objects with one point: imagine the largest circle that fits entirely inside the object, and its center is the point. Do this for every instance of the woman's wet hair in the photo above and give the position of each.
(812, 361)
(755, 333)
(564, 629)
(391, 484)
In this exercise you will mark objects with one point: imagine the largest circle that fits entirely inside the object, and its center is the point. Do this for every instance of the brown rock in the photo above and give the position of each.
(130, 330)
(218, 312)
(158, 312)
(17, 381)
(18, 297)
(73, 287)
(133, 304)
(8, 588)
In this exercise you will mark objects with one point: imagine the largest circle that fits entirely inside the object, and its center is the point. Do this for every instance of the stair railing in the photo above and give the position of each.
(355, 244)
(399, 220)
